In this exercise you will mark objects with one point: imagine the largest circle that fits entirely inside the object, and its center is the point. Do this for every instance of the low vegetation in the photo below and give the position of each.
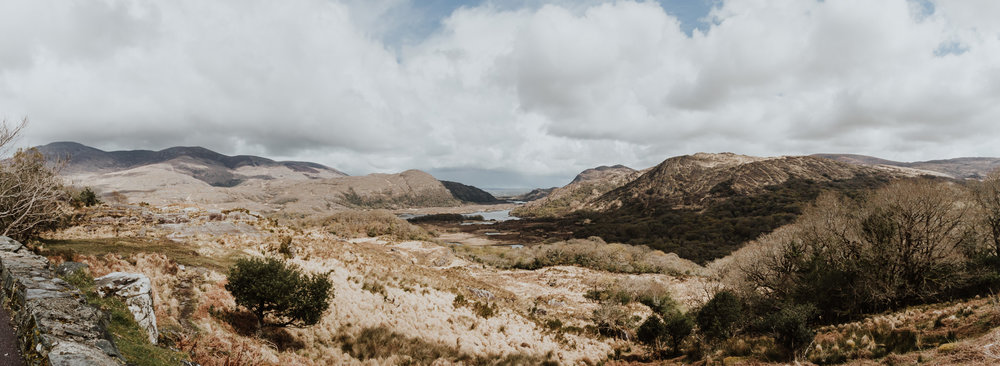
(128, 246)
(381, 343)
(32, 197)
(719, 229)
(372, 224)
(591, 253)
(389, 200)
(909, 243)
(445, 217)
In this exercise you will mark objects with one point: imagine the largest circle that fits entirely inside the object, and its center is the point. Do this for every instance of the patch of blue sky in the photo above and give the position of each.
(950, 48)
(921, 8)
(426, 16)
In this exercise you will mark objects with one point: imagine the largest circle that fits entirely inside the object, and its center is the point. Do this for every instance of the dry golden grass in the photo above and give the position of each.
(591, 253)
(374, 223)
(417, 284)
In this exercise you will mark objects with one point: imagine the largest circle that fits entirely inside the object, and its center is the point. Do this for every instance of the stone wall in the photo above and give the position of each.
(54, 324)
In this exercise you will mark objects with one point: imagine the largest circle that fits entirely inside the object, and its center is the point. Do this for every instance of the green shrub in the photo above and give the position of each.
(86, 198)
(672, 330)
(484, 310)
(679, 326)
(459, 301)
(445, 217)
(719, 317)
(652, 333)
(790, 326)
(275, 288)
(285, 247)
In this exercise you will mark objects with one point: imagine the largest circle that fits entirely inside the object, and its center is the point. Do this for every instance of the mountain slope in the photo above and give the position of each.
(587, 186)
(694, 181)
(704, 206)
(960, 168)
(467, 193)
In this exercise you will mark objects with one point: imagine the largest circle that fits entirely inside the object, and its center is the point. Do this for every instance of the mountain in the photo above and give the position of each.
(216, 169)
(959, 168)
(702, 206)
(584, 188)
(695, 181)
(467, 193)
(534, 194)
(195, 175)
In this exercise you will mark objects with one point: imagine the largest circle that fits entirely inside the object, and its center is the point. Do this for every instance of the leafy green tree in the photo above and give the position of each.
(719, 317)
(672, 329)
(679, 327)
(652, 333)
(790, 325)
(271, 287)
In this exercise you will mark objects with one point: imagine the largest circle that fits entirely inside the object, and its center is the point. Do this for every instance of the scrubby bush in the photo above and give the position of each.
(375, 223)
(652, 333)
(720, 316)
(671, 330)
(900, 245)
(31, 194)
(271, 287)
(32, 197)
(613, 320)
(445, 217)
(679, 326)
(383, 343)
(591, 253)
(790, 326)
(85, 198)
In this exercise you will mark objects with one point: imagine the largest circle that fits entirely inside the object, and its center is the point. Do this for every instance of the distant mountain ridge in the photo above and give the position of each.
(219, 170)
(959, 168)
(182, 175)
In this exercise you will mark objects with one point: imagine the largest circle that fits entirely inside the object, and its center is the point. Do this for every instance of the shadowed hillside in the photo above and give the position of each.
(467, 193)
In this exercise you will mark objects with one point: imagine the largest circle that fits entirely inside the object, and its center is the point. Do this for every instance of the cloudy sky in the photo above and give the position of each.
(506, 93)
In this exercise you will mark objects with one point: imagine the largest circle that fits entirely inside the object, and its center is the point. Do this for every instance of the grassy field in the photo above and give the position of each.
(125, 247)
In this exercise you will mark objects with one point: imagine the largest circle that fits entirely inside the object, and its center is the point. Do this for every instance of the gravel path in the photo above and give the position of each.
(9, 353)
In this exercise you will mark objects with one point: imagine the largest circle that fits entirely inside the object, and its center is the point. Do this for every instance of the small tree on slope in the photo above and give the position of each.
(271, 287)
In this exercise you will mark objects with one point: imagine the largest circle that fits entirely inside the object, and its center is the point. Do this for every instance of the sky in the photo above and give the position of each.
(521, 93)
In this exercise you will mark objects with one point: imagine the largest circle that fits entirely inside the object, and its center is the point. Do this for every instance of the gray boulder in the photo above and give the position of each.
(136, 290)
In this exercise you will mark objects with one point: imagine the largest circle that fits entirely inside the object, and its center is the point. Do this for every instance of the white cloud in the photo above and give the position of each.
(537, 89)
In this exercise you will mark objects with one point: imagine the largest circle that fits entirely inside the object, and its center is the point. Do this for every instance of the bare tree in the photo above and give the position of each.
(898, 245)
(987, 197)
(31, 192)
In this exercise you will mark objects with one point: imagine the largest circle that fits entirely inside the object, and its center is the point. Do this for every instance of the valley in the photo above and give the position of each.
(430, 272)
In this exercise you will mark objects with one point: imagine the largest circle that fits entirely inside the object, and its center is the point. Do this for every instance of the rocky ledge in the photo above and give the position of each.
(54, 324)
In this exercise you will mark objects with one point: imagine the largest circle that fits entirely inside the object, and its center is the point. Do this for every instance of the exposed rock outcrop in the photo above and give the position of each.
(55, 325)
(136, 290)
